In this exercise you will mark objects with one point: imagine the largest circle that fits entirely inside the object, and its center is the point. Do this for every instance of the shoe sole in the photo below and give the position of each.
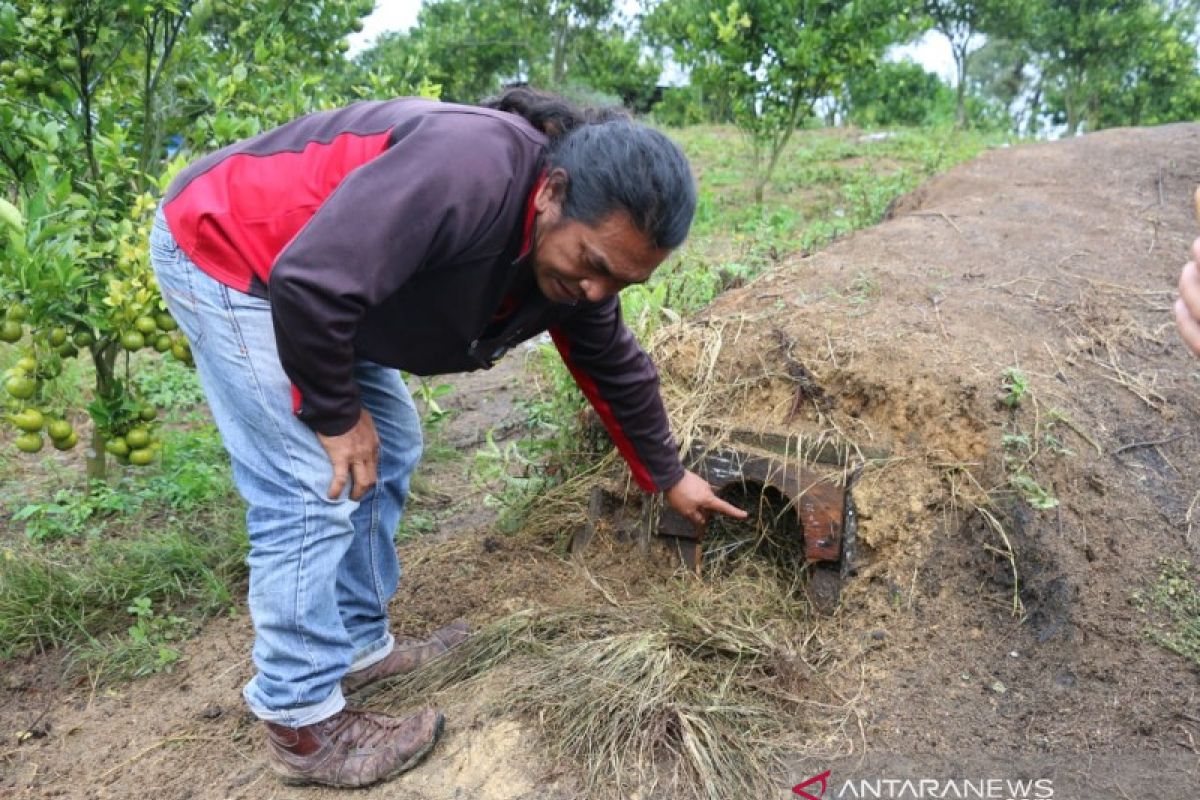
(294, 780)
(420, 754)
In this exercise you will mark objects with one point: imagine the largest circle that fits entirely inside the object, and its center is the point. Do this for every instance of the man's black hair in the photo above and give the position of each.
(612, 164)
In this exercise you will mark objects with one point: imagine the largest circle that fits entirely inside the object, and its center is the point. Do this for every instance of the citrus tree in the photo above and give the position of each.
(93, 98)
(775, 59)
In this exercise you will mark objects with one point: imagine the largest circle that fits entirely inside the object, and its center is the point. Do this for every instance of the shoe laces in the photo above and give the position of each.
(358, 728)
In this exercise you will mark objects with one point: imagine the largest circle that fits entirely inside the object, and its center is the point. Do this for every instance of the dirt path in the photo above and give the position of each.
(1055, 259)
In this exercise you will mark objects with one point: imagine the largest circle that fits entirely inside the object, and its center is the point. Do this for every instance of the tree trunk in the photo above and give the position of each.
(1072, 116)
(1035, 110)
(1071, 101)
(559, 68)
(960, 107)
(97, 468)
(104, 357)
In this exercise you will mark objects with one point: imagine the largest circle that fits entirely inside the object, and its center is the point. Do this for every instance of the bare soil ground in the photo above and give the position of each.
(1059, 259)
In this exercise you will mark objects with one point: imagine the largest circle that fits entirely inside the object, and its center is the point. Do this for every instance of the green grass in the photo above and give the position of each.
(62, 593)
(827, 183)
(118, 571)
(1173, 605)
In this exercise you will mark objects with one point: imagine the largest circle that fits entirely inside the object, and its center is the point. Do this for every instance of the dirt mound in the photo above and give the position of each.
(1050, 267)
(1002, 342)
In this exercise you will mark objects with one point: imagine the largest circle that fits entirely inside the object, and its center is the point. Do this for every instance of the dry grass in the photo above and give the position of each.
(693, 690)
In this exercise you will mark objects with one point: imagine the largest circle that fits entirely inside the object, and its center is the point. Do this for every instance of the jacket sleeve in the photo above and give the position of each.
(423, 200)
(621, 383)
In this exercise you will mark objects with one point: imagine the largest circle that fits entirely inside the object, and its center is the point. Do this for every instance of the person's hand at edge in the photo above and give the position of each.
(1187, 307)
(694, 499)
(355, 457)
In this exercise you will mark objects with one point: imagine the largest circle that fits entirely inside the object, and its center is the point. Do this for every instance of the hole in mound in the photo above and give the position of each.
(771, 536)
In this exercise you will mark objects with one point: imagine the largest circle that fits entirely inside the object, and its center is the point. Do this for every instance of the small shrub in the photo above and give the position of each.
(1015, 387)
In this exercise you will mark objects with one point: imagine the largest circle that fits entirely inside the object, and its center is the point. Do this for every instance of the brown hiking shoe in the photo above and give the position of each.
(406, 656)
(352, 748)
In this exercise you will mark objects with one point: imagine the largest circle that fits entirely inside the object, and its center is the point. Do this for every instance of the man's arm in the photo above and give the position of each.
(621, 383)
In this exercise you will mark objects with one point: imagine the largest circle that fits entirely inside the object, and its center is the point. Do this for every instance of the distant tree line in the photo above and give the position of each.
(772, 65)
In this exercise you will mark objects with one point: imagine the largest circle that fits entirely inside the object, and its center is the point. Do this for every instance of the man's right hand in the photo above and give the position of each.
(1187, 307)
(355, 456)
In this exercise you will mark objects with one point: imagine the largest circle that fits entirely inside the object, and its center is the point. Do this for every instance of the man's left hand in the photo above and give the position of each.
(694, 499)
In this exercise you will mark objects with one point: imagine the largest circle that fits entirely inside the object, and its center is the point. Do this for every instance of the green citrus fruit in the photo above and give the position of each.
(60, 429)
(162, 343)
(118, 447)
(147, 412)
(180, 350)
(145, 325)
(67, 443)
(11, 331)
(165, 322)
(132, 340)
(137, 438)
(20, 387)
(16, 312)
(57, 337)
(30, 420)
(83, 339)
(29, 442)
(27, 364)
(141, 457)
(67, 350)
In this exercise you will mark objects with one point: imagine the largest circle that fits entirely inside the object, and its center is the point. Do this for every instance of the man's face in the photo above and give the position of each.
(573, 261)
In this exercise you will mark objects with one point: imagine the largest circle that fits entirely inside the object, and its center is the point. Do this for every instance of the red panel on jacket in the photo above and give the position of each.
(235, 219)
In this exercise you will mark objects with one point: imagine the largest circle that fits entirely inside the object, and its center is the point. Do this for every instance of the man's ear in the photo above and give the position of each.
(552, 193)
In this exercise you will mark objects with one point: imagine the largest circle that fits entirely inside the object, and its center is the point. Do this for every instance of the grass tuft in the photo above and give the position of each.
(66, 595)
(682, 691)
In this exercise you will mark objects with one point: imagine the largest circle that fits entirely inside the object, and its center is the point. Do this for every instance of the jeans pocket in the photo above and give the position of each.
(163, 250)
(175, 286)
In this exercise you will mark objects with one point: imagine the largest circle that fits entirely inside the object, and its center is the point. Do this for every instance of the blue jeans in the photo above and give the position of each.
(321, 571)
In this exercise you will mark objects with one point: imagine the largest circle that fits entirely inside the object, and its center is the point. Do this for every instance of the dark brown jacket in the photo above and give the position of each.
(398, 232)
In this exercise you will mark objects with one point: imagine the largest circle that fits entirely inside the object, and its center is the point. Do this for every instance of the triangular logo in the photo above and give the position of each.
(822, 779)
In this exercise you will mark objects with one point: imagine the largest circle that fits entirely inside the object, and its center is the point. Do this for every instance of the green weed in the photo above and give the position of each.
(148, 646)
(194, 472)
(512, 478)
(169, 385)
(1036, 495)
(1174, 603)
(1015, 386)
(428, 393)
(415, 523)
(76, 512)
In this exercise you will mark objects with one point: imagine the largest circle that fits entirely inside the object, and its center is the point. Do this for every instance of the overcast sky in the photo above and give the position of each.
(932, 51)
